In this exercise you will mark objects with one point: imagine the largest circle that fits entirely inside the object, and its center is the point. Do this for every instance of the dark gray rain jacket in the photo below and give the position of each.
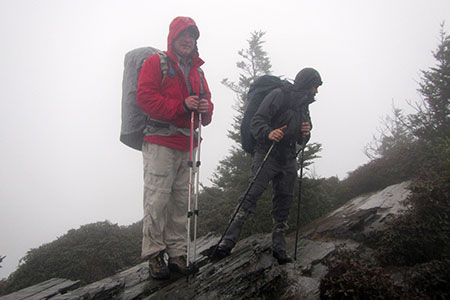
(282, 106)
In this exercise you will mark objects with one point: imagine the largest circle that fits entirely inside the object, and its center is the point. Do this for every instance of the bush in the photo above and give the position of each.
(430, 280)
(350, 277)
(422, 234)
(88, 254)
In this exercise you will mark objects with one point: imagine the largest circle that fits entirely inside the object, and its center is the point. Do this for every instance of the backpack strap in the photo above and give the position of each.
(202, 89)
(164, 65)
(157, 127)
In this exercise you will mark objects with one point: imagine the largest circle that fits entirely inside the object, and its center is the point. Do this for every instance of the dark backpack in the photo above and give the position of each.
(258, 90)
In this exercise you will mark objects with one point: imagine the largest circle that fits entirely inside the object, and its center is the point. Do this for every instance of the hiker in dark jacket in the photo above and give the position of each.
(169, 103)
(282, 118)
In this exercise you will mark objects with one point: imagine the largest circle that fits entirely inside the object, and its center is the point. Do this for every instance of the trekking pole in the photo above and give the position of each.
(197, 183)
(299, 194)
(191, 169)
(243, 198)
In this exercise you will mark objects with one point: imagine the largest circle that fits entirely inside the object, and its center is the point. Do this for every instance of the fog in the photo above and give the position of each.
(62, 165)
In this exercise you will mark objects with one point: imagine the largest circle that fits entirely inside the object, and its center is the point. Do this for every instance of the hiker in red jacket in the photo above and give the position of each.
(169, 101)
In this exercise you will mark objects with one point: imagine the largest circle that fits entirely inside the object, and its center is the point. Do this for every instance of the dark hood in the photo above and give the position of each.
(176, 27)
(307, 78)
(304, 81)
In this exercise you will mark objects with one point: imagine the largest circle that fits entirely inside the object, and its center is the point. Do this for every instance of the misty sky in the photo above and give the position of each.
(62, 165)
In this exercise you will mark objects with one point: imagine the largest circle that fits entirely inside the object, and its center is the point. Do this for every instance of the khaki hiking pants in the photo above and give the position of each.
(166, 190)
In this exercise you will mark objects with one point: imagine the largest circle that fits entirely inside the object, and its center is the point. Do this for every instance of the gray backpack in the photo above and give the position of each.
(134, 120)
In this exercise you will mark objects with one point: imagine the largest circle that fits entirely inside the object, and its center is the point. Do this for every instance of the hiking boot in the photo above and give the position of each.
(231, 236)
(221, 252)
(157, 266)
(282, 257)
(178, 264)
(279, 243)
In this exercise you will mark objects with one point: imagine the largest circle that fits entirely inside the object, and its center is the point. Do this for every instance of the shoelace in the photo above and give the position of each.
(160, 261)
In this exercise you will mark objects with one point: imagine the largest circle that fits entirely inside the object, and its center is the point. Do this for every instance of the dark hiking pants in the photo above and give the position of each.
(283, 178)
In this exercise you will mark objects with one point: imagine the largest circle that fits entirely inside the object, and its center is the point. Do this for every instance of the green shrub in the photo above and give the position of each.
(350, 277)
(430, 280)
(422, 234)
(90, 253)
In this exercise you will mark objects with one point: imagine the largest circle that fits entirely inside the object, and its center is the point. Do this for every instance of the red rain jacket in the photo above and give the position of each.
(164, 101)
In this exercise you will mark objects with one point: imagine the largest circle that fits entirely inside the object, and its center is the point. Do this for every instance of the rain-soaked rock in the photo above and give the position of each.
(251, 271)
(43, 290)
(360, 215)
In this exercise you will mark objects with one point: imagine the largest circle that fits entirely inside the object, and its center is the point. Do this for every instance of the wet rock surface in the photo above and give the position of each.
(251, 271)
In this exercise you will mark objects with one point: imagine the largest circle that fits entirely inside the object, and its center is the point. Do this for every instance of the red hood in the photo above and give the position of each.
(176, 27)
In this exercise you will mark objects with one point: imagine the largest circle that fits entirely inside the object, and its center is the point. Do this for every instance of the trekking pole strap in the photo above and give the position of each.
(302, 158)
(197, 183)
(191, 173)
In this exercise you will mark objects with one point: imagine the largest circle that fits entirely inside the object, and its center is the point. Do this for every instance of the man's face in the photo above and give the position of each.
(314, 90)
(184, 44)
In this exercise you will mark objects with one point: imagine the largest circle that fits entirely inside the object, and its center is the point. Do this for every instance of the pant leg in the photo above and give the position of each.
(232, 235)
(261, 181)
(158, 180)
(176, 228)
(283, 187)
(249, 203)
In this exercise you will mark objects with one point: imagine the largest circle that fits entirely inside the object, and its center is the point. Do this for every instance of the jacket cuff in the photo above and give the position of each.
(267, 131)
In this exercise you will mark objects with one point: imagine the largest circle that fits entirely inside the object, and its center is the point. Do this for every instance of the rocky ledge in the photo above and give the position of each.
(250, 271)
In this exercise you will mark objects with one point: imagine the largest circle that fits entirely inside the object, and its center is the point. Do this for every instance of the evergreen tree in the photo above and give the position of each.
(432, 118)
(402, 149)
(254, 63)
(393, 135)
(232, 174)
